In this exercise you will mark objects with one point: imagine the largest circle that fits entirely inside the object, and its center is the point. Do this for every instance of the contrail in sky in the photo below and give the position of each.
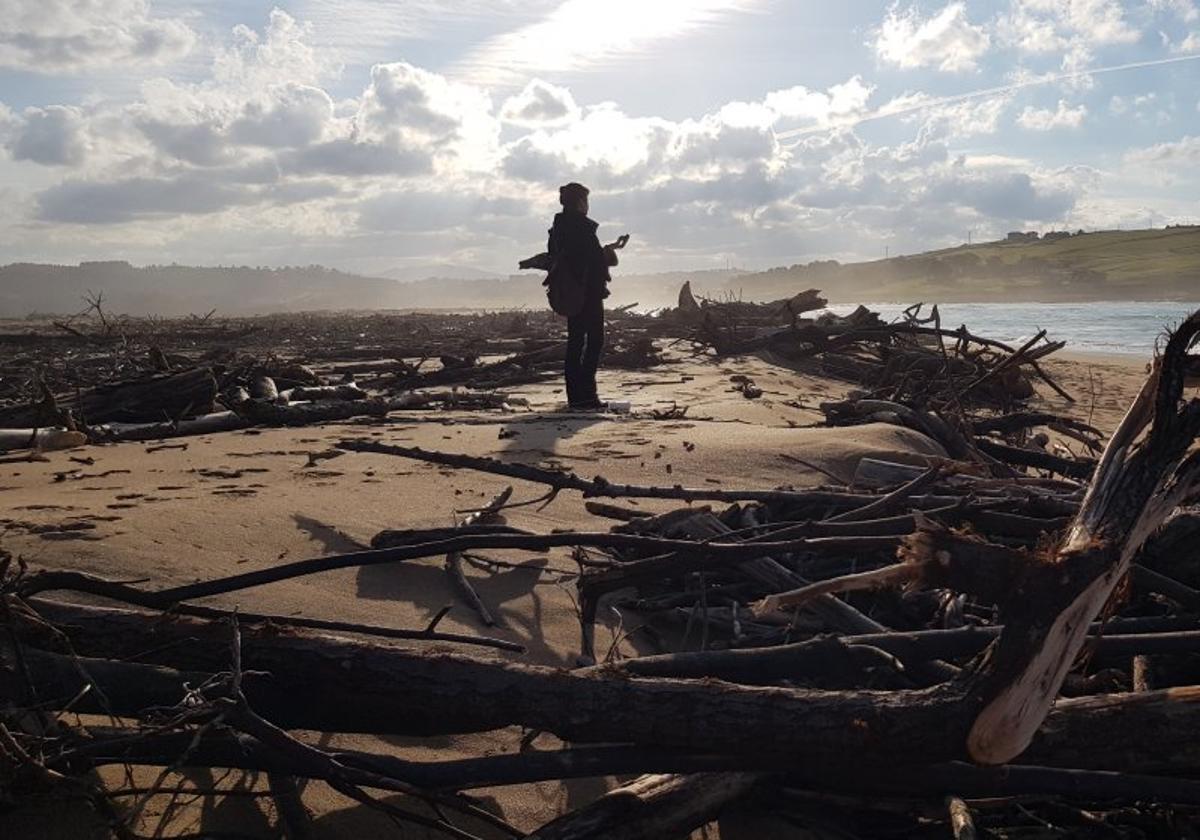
(885, 111)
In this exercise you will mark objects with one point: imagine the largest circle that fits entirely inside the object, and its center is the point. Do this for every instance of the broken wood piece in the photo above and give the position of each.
(44, 440)
(961, 823)
(454, 558)
(651, 807)
(887, 577)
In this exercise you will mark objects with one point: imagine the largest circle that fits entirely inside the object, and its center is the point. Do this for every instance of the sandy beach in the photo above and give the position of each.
(197, 508)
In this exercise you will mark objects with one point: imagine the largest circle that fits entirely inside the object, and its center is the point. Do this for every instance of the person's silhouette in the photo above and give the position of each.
(573, 241)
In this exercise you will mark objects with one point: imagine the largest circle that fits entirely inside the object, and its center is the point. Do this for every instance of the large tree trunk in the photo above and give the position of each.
(163, 397)
(390, 690)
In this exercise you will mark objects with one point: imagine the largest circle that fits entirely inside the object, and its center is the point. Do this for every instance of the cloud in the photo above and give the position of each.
(947, 40)
(283, 53)
(540, 103)
(64, 36)
(581, 33)
(1075, 27)
(51, 136)
(423, 108)
(1185, 10)
(954, 120)
(1189, 44)
(294, 115)
(1043, 119)
(427, 210)
(111, 202)
(1011, 196)
(355, 159)
(198, 143)
(817, 108)
(1179, 156)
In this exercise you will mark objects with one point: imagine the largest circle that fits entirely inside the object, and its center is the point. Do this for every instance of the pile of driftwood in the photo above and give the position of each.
(977, 650)
(136, 379)
(914, 359)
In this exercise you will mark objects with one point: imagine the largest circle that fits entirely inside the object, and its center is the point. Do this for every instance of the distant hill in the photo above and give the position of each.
(1161, 264)
(526, 290)
(431, 271)
(27, 288)
(1107, 265)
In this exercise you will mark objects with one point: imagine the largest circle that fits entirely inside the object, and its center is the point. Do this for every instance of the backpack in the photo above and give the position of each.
(565, 289)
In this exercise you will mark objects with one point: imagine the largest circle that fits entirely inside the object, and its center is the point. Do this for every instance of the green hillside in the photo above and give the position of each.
(1107, 265)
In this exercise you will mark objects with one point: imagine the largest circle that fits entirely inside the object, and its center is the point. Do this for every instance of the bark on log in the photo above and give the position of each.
(389, 690)
(221, 421)
(108, 745)
(164, 397)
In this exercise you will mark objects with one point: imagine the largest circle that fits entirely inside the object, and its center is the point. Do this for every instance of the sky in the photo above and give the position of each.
(373, 135)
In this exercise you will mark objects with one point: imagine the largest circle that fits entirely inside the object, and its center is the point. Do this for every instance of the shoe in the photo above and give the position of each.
(587, 405)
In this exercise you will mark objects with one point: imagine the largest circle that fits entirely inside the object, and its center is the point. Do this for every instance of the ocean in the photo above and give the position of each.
(1104, 327)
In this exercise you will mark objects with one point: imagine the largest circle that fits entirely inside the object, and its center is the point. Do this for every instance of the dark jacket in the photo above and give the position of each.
(573, 238)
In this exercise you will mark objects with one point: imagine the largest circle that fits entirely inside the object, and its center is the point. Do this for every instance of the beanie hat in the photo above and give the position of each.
(569, 194)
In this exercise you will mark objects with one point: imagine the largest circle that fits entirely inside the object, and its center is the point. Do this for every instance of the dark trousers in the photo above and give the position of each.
(585, 340)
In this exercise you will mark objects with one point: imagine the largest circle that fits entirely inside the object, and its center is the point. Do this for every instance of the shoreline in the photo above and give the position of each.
(1101, 357)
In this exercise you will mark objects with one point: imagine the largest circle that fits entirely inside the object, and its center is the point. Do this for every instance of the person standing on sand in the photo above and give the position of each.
(573, 240)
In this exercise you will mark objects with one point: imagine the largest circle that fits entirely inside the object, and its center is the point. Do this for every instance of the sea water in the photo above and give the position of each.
(1128, 328)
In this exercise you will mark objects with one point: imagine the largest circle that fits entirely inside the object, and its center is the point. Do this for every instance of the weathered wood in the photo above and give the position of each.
(221, 421)
(677, 556)
(167, 396)
(1113, 641)
(454, 558)
(384, 689)
(601, 487)
(40, 439)
(106, 745)
(1080, 468)
(62, 613)
(961, 823)
(651, 807)
(1137, 484)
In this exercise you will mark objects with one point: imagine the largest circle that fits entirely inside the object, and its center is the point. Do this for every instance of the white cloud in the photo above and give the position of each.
(1146, 107)
(957, 120)
(282, 54)
(422, 108)
(52, 136)
(1185, 10)
(1043, 119)
(947, 40)
(540, 103)
(817, 108)
(59, 36)
(1190, 44)
(1042, 26)
(293, 115)
(1174, 159)
(580, 33)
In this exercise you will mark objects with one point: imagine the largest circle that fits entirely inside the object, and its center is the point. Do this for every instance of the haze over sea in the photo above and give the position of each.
(1124, 327)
